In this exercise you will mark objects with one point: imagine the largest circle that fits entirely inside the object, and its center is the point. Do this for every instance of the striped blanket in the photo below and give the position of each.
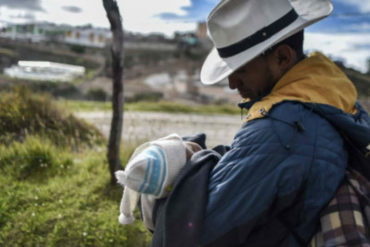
(345, 221)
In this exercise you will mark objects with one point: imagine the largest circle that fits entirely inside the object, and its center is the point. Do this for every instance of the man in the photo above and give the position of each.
(288, 159)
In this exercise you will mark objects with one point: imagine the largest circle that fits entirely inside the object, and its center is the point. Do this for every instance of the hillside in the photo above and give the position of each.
(140, 65)
(361, 81)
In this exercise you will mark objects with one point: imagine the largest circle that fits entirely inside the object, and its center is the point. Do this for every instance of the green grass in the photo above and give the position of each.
(88, 76)
(161, 106)
(33, 158)
(23, 113)
(7, 52)
(68, 202)
(55, 189)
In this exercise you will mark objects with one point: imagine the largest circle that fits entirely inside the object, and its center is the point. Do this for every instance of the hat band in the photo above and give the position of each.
(258, 36)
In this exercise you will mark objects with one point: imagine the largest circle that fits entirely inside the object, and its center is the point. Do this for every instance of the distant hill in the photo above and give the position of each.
(139, 64)
(361, 81)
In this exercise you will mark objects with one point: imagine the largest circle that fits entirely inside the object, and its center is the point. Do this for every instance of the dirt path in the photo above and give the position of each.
(141, 126)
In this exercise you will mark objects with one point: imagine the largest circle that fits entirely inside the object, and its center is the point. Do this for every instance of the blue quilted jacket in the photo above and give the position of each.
(285, 165)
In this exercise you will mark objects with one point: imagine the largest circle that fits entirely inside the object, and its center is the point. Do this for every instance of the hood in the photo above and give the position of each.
(356, 127)
(315, 79)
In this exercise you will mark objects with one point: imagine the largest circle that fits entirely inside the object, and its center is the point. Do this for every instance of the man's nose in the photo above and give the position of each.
(233, 82)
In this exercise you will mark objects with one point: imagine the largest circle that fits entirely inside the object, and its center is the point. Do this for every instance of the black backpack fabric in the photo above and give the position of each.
(178, 219)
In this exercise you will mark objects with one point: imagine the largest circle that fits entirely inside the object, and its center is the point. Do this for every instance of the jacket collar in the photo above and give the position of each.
(315, 79)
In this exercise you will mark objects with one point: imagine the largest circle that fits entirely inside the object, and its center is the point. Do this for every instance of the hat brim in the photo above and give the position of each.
(216, 68)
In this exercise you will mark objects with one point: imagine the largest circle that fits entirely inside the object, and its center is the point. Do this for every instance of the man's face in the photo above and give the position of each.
(254, 79)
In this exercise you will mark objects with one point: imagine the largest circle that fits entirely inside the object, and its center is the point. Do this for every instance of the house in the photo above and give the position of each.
(34, 32)
(88, 36)
(44, 31)
(44, 71)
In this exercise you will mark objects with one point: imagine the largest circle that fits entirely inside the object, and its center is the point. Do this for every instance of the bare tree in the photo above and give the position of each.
(115, 20)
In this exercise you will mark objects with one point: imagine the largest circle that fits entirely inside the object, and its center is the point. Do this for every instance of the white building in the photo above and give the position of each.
(43, 31)
(44, 71)
(34, 32)
(91, 37)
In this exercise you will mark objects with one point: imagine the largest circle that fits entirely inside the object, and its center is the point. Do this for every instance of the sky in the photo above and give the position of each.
(345, 35)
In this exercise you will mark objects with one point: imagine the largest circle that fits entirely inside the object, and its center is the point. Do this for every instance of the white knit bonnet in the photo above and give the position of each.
(151, 171)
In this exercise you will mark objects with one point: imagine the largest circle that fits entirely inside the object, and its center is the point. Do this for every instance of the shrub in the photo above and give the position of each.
(78, 49)
(23, 113)
(148, 97)
(33, 158)
(97, 94)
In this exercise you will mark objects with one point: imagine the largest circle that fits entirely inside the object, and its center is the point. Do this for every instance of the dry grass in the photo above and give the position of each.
(23, 113)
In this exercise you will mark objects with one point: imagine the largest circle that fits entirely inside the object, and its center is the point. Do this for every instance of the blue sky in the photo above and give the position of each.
(344, 35)
(348, 16)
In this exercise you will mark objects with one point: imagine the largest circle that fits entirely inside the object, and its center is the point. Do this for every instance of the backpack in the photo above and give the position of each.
(345, 221)
(358, 159)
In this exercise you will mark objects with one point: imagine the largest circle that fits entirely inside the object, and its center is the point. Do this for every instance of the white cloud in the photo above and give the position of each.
(138, 15)
(92, 12)
(362, 27)
(353, 47)
(15, 16)
(145, 8)
(362, 5)
(142, 15)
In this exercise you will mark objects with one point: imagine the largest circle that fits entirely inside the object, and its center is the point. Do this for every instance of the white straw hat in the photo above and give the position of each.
(243, 29)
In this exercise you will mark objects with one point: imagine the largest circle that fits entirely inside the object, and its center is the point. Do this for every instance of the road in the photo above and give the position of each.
(143, 126)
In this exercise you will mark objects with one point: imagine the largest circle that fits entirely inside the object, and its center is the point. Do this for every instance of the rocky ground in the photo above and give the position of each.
(143, 126)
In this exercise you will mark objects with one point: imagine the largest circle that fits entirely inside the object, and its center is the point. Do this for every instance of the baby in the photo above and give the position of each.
(150, 174)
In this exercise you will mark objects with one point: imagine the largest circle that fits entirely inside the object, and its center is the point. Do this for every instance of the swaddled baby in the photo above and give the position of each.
(150, 174)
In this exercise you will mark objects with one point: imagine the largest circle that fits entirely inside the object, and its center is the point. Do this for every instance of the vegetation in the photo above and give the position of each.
(145, 96)
(23, 113)
(162, 106)
(78, 49)
(45, 52)
(33, 158)
(54, 194)
(67, 90)
(361, 81)
(7, 52)
(97, 94)
(66, 202)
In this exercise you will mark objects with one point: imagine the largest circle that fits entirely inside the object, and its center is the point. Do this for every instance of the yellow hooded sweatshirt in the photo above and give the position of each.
(315, 79)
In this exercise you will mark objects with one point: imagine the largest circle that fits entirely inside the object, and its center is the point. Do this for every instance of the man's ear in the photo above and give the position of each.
(285, 57)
